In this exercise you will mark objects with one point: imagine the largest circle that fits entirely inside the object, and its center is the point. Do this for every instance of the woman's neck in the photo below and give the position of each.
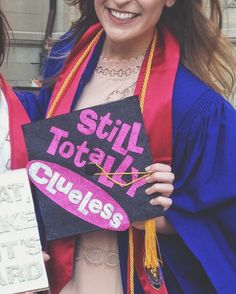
(127, 49)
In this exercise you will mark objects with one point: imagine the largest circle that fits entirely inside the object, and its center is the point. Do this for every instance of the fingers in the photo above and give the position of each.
(139, 225)
(158, 167)
(161, 177)
(163, 201)
(164, 189)
(46, 257)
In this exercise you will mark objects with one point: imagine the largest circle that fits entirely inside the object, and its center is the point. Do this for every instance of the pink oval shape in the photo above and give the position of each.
(77, 195)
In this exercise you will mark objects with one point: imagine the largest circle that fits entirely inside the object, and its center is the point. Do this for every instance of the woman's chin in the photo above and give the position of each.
(120, 36)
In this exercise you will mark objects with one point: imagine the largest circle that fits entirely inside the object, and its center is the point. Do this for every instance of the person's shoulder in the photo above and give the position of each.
(193, 97)
(62, 46)
(58, 54)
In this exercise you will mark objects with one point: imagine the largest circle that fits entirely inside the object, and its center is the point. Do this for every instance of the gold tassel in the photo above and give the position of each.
(151, 258)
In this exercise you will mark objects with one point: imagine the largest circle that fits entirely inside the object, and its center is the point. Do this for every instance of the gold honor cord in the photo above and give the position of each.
(151, 259)
(71, 75)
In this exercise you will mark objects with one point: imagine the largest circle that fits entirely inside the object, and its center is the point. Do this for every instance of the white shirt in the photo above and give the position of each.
(5, 148)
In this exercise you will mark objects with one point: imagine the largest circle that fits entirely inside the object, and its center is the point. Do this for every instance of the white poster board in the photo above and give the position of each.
(21, 262)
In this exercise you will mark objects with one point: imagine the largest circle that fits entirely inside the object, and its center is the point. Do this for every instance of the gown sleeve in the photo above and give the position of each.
(201, 258)
(36, 104)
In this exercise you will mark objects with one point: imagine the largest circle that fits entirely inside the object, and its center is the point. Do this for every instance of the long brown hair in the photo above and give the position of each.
(204, 50)
(4, 36)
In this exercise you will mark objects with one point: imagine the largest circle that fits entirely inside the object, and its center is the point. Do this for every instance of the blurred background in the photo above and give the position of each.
(34, 22)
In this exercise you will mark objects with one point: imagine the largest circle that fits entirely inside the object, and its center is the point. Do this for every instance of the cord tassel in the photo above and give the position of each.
(151, 259)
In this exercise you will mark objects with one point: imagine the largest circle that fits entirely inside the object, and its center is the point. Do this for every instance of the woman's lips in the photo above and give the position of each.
(122, 16)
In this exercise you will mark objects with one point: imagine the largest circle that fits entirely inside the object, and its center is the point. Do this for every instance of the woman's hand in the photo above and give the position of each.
(162, 180)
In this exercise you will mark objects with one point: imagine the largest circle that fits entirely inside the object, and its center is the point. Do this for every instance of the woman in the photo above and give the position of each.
(175, 59)
(12, 116)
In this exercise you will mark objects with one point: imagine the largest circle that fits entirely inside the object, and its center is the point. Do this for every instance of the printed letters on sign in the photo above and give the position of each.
(21, 262)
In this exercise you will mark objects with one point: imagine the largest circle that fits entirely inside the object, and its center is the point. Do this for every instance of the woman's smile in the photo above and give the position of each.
(122, 15)
(129, 25)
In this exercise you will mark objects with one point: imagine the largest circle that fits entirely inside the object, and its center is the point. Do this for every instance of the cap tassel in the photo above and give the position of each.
(151, 262)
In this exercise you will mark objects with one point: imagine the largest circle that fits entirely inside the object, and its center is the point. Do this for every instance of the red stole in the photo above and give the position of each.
(158, 123)
(17, 117)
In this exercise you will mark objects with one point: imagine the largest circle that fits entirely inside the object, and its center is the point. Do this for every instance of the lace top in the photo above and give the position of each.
(113, 80)
(96, 266)
(118, 70)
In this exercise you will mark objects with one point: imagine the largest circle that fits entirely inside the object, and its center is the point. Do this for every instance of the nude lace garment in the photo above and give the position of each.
(96, 263)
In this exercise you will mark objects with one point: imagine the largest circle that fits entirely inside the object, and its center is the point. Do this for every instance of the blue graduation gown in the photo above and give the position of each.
(201, 257)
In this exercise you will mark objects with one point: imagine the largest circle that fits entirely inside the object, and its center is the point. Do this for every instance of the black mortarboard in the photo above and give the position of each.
(88, 169)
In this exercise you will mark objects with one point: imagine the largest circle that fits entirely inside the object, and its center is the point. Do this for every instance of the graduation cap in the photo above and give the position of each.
(88, 169)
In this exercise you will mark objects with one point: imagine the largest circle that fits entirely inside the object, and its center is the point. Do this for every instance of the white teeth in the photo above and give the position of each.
(122, 15)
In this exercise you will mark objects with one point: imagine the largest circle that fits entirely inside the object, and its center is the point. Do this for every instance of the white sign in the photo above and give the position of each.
(21, 262)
